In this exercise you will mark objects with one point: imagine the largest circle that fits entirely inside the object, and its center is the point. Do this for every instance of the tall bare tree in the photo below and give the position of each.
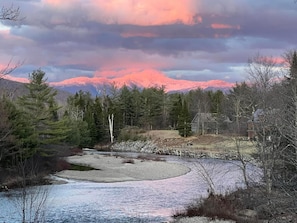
(263, 73)
(289, 130)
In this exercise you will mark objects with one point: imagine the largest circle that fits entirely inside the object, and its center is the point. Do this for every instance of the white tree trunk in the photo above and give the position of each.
(110, 121)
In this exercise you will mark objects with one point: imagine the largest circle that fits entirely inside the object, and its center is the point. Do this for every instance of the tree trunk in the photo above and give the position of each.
(110, 121)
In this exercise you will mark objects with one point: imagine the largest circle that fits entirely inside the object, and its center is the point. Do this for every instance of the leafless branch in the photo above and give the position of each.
(10, 13)
(9, 68)
(262, 71)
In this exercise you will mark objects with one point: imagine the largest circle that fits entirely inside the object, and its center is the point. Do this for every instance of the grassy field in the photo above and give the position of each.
(205, 143)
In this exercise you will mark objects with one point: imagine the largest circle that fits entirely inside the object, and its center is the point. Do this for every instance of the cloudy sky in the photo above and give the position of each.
(198, 40)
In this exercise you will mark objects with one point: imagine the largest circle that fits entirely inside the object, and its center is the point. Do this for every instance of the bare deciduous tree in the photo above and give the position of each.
(263, 73)
(30, 202)
(211, 173)
(289, 130)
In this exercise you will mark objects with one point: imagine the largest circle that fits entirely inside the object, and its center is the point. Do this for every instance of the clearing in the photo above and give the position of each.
(203, 143)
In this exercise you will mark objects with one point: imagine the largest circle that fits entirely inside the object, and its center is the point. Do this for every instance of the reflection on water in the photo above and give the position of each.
(135, 201)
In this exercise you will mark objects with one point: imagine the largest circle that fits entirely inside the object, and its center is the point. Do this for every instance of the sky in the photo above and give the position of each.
(194, 40)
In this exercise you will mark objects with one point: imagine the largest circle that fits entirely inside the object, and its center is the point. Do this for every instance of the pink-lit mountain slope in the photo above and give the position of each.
(143, 79)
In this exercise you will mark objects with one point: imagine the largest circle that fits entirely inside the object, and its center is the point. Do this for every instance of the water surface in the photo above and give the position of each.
(134, 201)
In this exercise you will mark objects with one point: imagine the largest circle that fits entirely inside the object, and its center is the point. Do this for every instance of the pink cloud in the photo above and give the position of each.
(133, 34)
(142, 12)
(271, 60)
(145, 12)
(220, 35)
(18, 79)
(5, 33)
(61, 4)
(224, 26)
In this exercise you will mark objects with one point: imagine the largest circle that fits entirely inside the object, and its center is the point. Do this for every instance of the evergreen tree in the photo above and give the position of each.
(126, 106)
(100, 128)
(80, 116)
(136, 104)
(39, 111)
(239, 106)
(184, 119)
(151, 107)
(175, 110)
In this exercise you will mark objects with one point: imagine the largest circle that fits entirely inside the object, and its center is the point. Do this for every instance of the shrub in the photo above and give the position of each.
(214, 206)
(62, 164)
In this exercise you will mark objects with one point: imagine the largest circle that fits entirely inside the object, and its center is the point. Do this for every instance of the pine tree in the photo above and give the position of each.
(184, 119)
(40, 111)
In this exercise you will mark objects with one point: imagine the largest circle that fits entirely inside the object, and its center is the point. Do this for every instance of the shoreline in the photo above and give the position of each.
(110, 169)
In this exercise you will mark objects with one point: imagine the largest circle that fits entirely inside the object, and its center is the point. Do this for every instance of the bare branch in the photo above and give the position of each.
(9, 68)
(262, 71)
(10, 13)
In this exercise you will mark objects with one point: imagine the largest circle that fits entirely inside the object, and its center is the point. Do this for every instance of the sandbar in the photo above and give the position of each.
(110, 169)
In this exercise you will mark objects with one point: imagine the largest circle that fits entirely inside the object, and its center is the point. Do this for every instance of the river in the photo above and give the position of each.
(134, 201)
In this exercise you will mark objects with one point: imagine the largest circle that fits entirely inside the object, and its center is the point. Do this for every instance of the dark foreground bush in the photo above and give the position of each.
(214, 206)
(246, 206)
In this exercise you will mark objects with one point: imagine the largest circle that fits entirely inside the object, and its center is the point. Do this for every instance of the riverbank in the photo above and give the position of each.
(168, 142)
(110, 169)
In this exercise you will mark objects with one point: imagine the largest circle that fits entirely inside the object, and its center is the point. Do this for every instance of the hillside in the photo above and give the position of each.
(15, 89)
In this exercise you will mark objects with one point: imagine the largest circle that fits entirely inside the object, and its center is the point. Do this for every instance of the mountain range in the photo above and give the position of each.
(144, 79)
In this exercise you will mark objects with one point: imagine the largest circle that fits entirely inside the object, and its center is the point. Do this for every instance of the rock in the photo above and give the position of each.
(150, 146)
(3, 188)
(248, 214)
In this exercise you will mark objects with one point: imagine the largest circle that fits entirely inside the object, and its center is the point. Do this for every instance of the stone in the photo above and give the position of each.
(248, 213)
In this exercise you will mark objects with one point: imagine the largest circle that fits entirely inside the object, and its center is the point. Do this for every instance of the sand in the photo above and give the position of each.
(116, 169)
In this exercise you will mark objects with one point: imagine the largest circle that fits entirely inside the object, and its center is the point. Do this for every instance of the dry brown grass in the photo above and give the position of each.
(204, 143)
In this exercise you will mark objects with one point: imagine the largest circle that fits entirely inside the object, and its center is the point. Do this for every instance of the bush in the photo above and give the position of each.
(214, 206)
(62, 164)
